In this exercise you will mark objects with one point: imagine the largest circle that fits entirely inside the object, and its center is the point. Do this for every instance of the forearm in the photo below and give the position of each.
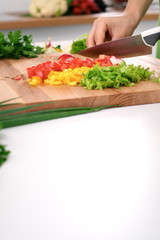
(136, 9)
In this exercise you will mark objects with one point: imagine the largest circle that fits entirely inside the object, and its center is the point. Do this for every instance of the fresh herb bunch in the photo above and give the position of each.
(115, 76)
(79, 44)
(3, 152)
(15, 46)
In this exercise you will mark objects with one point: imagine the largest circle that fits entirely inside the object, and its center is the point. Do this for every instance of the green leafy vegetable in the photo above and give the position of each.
(59, 47)
(3, 152)
(115, 76)
(79, 44)
(156, 79)
(69, 2)
(16, 46)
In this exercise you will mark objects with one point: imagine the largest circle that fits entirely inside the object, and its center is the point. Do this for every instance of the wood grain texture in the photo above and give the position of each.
(31, 22)
(62, 96)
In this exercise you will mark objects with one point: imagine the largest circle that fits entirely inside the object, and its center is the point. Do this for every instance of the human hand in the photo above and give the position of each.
(109, 28)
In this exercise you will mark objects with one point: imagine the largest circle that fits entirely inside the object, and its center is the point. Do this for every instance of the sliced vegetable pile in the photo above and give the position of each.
(67, 70)
(15, 46)
(102, 72)
(115, 76)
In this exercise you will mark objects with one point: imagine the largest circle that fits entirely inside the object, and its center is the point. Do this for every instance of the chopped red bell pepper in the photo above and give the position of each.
(41, 70)
(69, 61)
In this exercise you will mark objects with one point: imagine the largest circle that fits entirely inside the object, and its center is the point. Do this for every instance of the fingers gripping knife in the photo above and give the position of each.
(126, 47)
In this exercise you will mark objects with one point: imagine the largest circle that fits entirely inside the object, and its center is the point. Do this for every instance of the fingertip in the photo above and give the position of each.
(90, 43)
(99, 41)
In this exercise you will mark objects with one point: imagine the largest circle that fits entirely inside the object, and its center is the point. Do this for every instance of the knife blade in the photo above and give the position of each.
(126, 47)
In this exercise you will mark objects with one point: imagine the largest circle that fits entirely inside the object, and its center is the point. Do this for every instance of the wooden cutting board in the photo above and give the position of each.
(73, 96)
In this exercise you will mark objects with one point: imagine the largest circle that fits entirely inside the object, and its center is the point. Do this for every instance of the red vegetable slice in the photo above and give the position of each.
(115, 61)
(64, 66)
(30, 72)
(39, 73)
(18, 77)
(56, 66)
(65, 57)
(88, 62)
(41, 70)
(103, 60)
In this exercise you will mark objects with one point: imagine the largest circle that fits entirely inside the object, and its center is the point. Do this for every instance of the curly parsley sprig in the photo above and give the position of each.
(15, 46)
(3, 152)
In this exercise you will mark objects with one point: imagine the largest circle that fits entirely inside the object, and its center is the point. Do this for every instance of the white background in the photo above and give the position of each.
(88, 177)
(17, 5)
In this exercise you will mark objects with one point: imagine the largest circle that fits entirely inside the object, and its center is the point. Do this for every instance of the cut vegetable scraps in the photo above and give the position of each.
(18, 77)
(49, 48)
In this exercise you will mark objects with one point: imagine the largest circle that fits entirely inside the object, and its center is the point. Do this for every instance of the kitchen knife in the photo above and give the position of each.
(126, 47)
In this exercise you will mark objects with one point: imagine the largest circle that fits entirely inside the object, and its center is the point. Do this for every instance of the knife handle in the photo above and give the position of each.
(150, 37)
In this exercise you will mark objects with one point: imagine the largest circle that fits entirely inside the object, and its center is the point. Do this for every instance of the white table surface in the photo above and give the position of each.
(93, 177)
